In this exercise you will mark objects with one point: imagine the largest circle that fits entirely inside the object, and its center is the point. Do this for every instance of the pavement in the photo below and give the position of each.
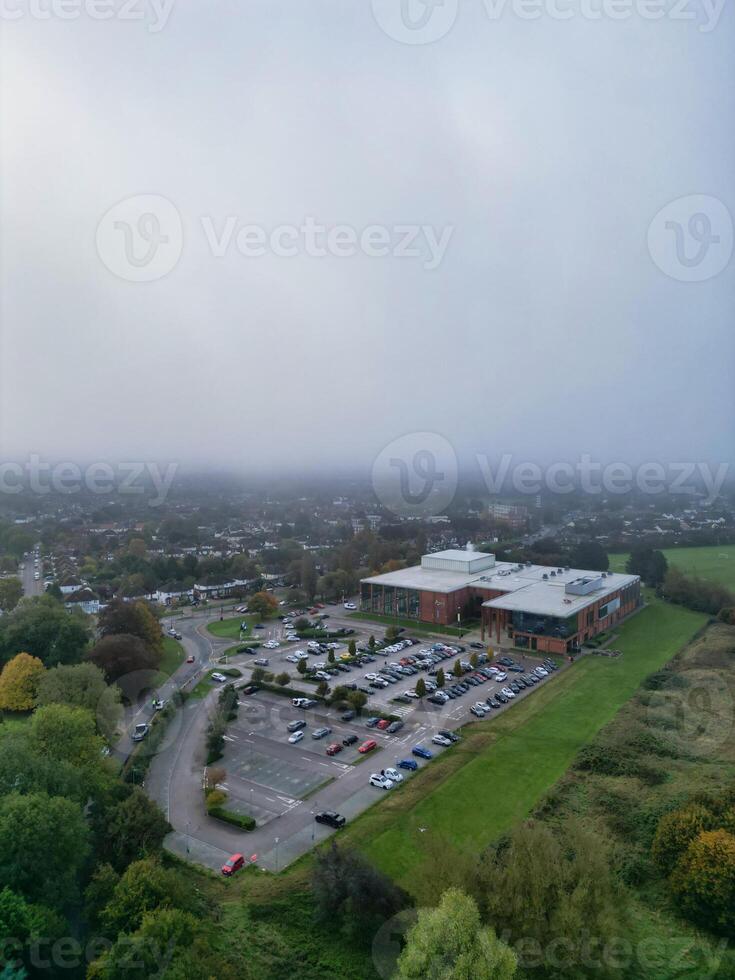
(280, 784)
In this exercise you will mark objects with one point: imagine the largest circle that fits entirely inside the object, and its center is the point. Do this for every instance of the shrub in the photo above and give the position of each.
(704, 880)
(241, 820)
(676, 831)
(215, 799)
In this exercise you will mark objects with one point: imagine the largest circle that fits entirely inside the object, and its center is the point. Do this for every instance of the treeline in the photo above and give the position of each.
(696, 593)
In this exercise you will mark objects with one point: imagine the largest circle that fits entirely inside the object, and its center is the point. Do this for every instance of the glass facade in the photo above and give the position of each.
(386, 600)
(554, 626)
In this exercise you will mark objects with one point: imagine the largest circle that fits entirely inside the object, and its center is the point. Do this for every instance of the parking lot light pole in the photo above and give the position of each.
(277, 840)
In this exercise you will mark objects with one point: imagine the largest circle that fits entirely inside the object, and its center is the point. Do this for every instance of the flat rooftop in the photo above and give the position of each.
(525, 586)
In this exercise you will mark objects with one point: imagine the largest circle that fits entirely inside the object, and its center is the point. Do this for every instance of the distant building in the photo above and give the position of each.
(84, 599)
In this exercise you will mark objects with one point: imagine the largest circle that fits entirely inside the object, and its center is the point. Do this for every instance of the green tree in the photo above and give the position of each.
(145, 886)
(474, 660)
(11, 592)
(282, 679)
(352, 648)
(330, 656)
(704, 880)
(19, 682)
(589, 555)
(83, 686)
(131, 829)
(51, 826)
(649, 563)
(67, 734)
(357, 699)
(440, 678)
(98, 893)
(322, 688)
(302, 667)
(676, 831)
(421, 687)
(457, 669)
(371, 643)
(42, 627)
(450, 943)
(24, 769)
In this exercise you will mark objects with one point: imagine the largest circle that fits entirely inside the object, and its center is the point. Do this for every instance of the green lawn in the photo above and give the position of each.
(481, 790)
(416, 627)
(173, 656)
(715, 562)
(229, 629)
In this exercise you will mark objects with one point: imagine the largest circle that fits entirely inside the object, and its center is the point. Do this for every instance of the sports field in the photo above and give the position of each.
(495, 777)
(715, 562)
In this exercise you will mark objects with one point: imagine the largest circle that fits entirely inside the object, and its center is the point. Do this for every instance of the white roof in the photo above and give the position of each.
(525, 586)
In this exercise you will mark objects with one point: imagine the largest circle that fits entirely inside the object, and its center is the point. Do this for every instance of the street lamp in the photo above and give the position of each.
(277, 840)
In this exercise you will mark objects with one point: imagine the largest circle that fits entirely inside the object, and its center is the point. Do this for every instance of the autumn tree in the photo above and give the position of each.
(19, 682)
(263, 604)
(704, 880)
(676, 831)
(131, 619)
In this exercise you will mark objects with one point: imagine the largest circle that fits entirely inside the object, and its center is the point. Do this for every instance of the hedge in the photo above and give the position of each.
(243, 821)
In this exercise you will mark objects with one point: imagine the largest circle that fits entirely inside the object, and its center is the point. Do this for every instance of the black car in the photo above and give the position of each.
(331, 819)
(395, 726)
(477, 646)
(347, 716)
(365, 690)
(349, 739)
(493, 702)
(452, 736)
(515, 688)
(502, 698)
(249, 689)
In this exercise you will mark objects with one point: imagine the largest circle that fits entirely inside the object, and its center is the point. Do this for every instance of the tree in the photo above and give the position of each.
(123, 654)
(11, 592)
(145, 886)
(676, 831)
(449, 943)
(51, 826)
(391, 634)
(99, 891)
(352, 648)
(302, 667)
(589, 555)
(440, 678)
(457, 669)
(263, 604)
(421, 687)
(25, 769)
(322, 688)
(134, 828)
(282, 679)
(83, 686)
(131, 619)
(330, 656)
(704, 880)
(352, 893)
(371, 643)
(358, 700)
(650, 564)
(19, 682)
(542, 889)
(42, 627)
(308, 577)
(474, 660)
(67, 734)
(301, 624)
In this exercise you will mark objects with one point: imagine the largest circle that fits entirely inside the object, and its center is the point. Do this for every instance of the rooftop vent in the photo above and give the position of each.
(545, 576)
(552, 574)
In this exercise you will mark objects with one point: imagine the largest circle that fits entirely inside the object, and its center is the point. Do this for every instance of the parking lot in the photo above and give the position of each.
(282, 784)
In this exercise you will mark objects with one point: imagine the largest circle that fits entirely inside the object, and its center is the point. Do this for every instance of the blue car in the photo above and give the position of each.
(421, 752)
(408, 764)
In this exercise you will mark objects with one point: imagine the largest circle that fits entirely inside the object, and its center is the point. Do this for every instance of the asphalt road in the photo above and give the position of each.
(30, 585)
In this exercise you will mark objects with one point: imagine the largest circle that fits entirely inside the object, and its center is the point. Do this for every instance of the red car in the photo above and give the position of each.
(368, 746)
(334, 748)
(190, 658)
(233, 864)
(383, 724)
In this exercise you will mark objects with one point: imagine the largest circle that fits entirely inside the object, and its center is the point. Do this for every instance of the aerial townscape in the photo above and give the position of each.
(367, 502)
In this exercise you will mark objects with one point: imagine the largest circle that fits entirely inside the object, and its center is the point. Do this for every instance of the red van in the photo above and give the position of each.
(233, 864)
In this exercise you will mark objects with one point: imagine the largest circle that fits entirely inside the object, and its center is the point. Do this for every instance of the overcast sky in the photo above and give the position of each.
(537, 152)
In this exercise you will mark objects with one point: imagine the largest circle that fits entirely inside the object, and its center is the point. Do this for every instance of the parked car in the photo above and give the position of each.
(347, 715)
(321, 732)
(233, 864)
(393, 775)
(382, 782)
(372, 722)
(477, 710)
(350, 740)
(408, 764)
(220, 678)
(296, 737)
(295, 726)
(421, 752)
(452, 736)
(330, 818)
(395, 726)
(261, 662)
(190, 659)
(440, 740)
(334, 748)
(368, 746)
(249, 689)
(383, 724)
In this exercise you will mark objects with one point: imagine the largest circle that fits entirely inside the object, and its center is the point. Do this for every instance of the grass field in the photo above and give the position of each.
(493, 779)
(173, 656)
(716, 562)
(229, 629)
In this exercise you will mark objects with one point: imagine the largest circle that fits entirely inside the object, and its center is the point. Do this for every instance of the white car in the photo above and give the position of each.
(370, 677)
(296, 737)
(322, 675)
(220, 678)
(500, 677)
(300, 702)
(441, 740)
(541, 672)
(393, 775)
(271, 644)
(380, 781)
(301, 655)
(508, 693)
(350, 605)
(411, 694)
(292, 658)
(480, 706)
